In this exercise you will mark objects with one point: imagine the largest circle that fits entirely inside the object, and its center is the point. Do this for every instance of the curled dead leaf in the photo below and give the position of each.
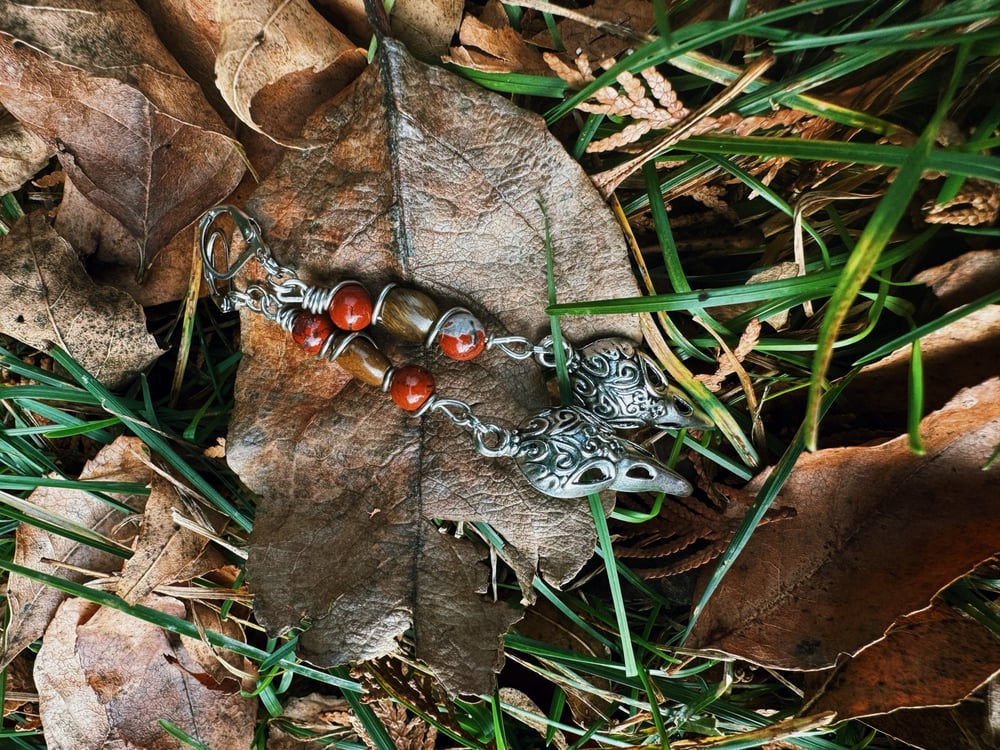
(878, 532)
(277, 61)
(109, 251)
(489, 43)
(51, 300)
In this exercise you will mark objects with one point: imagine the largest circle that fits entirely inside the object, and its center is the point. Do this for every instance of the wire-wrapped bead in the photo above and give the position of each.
(350, 307)
(362, 359)
(311, 330)
(406, 313)
(410, 387)
(460, 335)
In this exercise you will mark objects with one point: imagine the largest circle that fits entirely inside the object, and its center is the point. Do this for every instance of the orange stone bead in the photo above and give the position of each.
(351, 307)
(462, 336)
(410, 387)
(310, 331)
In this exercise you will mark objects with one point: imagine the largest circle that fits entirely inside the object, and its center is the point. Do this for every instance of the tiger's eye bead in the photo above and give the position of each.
(410, 387)
(408, 314)
(311, 330)
(364, 361)
(462, 336)
(351, 307)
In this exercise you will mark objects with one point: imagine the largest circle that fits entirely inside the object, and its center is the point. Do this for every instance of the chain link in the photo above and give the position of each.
(491, 440)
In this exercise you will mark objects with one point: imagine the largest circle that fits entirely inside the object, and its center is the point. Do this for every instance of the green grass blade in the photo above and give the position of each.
(950, 161)
(608, 553)
(177, 625)
(175, 731)
(151, 437)
(55, 523)
(915, 400)
(920, 331)
(870, 245)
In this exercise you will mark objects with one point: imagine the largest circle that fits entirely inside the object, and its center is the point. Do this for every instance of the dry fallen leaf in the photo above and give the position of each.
(458, 205)
(970, 275)
(491, 44)
(109, 251)
(31, 603)
(22, 154)
(935, 657)
(878, 532)
(278, 60)
(629, 18)
(51, 300)
(105, 679)
(164, 551)
(960, 355)
(134, 133)
(321, 716)
(973, 724)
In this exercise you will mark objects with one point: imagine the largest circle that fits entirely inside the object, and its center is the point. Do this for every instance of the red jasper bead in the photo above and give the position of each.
(351, 307)
(462, 336)
(310, 331)
(410, 387)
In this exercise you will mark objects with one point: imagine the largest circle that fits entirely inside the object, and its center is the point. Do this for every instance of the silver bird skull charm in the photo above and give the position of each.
(624, 387)
(566, 452)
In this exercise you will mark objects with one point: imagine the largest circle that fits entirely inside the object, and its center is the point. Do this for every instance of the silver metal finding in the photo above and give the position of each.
(515, 347)
(615, 381)
(219, 270)
(563, 452)
(491, 440)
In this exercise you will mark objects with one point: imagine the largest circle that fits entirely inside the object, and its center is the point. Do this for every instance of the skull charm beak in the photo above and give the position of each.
(624, 387)
(566, 452)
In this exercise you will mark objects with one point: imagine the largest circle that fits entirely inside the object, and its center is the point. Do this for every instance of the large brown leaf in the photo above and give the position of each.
(423, 178)
(134, 133)
(878, 531)
(49, 299)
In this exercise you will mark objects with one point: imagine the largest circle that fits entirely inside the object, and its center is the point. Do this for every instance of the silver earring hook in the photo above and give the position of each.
(218, 271)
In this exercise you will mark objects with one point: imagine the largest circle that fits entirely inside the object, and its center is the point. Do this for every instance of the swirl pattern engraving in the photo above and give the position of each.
(624, 387)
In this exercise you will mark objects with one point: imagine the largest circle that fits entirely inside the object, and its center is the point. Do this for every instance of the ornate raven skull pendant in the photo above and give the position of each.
(567, 452)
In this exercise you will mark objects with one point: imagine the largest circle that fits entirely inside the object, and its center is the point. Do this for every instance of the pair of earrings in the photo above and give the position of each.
(564, 452)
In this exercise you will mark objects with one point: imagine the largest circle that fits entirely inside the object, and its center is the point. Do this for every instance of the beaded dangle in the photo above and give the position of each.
(565, 452)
